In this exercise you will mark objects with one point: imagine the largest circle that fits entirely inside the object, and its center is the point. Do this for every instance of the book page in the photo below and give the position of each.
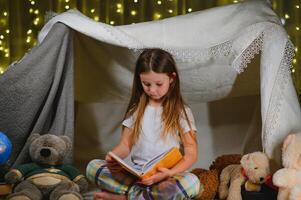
(148, 165)
(129, 166)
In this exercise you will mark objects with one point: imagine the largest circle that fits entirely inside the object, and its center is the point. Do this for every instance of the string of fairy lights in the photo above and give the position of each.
(19, 34)
(4, 35)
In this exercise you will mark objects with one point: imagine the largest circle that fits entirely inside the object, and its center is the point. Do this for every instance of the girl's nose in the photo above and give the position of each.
(152, 89)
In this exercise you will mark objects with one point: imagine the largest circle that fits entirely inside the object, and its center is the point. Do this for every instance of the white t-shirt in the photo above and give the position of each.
(150, 143)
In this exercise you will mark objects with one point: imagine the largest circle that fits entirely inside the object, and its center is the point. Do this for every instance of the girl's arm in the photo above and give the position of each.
(190, 153)
(123, 149)
(190, 157)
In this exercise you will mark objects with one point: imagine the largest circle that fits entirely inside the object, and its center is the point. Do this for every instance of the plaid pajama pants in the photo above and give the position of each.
(181, 186)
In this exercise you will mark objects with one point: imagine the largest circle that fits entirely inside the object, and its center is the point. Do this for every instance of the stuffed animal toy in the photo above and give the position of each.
(47, 177)
(209, 183)
(224, 160)
(288, 179)
(210, 178)
(253, 170)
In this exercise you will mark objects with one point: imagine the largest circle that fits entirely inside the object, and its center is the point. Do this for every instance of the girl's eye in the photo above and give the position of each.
(256, 168)
(159, 85)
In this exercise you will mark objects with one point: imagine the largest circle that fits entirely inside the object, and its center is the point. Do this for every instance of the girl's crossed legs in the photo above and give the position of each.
(123, 185)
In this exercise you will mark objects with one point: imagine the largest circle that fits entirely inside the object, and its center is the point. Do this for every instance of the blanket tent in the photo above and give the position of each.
(77, 81)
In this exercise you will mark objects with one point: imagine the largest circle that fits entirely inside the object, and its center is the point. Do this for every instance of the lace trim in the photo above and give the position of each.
(241, 63)
(281, 80)
(194, 55)
(220, 50)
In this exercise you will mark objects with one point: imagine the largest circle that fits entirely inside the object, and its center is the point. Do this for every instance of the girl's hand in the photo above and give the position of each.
(163, 173)
(109, 158)
(112, 164)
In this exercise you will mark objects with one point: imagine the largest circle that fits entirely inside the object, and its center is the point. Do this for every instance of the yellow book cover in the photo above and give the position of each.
(167, 159)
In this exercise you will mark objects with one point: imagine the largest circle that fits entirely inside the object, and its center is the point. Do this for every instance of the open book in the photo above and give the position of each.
(167, 159)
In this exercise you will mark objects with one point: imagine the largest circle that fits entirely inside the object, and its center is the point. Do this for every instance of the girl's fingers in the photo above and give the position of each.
(148, 181)
(161, 175)
(96, 196)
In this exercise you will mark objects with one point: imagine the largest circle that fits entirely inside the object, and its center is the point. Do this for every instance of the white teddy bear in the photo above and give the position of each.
(253, 171)
(288, 179)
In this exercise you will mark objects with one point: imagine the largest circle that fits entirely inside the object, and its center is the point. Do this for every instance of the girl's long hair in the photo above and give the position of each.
(159, 61)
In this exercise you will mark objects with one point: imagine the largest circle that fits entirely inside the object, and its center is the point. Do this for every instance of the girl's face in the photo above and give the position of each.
(155, 85)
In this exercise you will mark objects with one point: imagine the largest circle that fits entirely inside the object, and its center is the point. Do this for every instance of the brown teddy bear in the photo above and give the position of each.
(210, 178)
(209, 183)
(47, 177)
(224, 160)
(253, 171)
(288, 179)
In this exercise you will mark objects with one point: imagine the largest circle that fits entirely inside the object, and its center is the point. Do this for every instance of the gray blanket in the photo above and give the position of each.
(36, 93)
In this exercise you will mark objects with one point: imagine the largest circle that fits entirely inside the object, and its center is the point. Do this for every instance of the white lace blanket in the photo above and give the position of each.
(211, 48)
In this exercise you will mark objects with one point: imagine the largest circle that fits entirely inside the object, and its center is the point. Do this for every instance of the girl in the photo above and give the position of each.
(156, 120)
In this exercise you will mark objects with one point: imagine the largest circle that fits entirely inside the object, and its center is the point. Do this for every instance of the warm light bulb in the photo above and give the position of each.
(7, 31)
(1, 37)
(133, 12)
(235, 1)
(36, 12)
(67, 7)
(1, 71)
(96, 18)
(67, 1)
(157, 16)
(286, 16)
(32, 2)
(36, 21)
(6, 50)
(28, 39)
(30, 10)
(92, 10)
(6, 55)
(135, 1)
(119, 5)
(159, 2)
(293, 70)
(294, 60)
(296, 49)
(189, 9)
(1, 48)
(297, 28)
(5, 14)
(170, 11)
(118, 10)
(29, 31)
(112, 22)
(297, 6)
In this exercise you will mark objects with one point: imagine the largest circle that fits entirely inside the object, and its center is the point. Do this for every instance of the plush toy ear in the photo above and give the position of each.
(67, 142)
(244, 160)
(33, 137)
